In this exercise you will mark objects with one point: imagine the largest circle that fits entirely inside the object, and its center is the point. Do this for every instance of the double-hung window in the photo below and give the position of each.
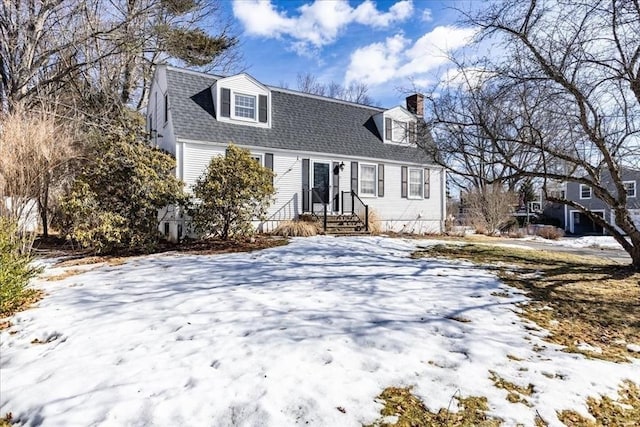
(585, 191)
(416, 183)
(368, 180)
(245, 106)
(630, 187)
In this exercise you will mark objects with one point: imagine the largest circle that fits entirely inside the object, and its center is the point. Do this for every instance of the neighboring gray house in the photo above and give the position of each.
(319, 148)
(576, 222)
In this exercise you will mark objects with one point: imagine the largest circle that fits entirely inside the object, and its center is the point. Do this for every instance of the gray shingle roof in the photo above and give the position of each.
(298, 122)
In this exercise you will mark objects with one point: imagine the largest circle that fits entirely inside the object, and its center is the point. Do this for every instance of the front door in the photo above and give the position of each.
(321, 184)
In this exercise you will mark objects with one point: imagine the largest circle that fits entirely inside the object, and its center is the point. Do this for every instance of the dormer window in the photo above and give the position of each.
(398, 131)
(245, 106)
(242, 100)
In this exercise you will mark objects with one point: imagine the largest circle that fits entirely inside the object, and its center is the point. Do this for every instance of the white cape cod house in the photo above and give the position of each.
(323, 151)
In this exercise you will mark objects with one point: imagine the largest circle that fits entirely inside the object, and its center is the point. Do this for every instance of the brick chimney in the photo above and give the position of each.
(415, 104)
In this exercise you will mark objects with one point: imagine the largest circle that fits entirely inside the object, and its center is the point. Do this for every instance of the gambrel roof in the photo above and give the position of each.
(299, 122)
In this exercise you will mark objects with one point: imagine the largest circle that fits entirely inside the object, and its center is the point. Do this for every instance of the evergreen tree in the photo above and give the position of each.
(233, 191)
(114, 202)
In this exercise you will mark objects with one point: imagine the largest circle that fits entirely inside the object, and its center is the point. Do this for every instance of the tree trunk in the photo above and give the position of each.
(43, 207)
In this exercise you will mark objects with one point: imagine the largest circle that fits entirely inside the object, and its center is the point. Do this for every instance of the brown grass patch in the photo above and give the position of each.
(578, 299)
(516, 393)
(65, 274)
(27, 299)
(109, 260)
(623, 412)
(411, 412)
(296, 229)
(460, 319)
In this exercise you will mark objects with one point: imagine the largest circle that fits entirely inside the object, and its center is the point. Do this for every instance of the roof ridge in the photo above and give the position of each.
(324, 98)
(277, 88)
(194, 72)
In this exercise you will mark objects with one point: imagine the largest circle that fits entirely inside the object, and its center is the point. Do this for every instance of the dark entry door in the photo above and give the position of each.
(321, 182)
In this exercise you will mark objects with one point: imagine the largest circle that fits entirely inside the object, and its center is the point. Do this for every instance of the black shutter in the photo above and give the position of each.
(268, 163)
(380, 180)
(305, 185)
(335, 183)
(166, 108)
(226, 103)
(354, 177)
(427, 184)
(262, 108)
(387, 129)
(403, 189)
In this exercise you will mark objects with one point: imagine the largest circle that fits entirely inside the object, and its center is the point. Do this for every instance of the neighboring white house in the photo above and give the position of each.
(310, 142)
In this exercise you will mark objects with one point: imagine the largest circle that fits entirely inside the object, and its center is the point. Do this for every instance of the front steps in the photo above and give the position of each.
(340, 225)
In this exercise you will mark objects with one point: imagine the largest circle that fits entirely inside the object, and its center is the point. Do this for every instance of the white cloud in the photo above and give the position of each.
(427, 16)
(367, 14)
(397, 57)
(378, 62)
(318, 23)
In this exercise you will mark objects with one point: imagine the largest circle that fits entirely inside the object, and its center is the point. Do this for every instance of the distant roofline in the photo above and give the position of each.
(278, 89)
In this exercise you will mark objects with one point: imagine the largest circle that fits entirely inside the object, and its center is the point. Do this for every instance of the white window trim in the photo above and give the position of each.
(259, 157)
(233, 107)
(590, 192)
(634, 188)
(402, 128)
(375, 180)
(409, 196)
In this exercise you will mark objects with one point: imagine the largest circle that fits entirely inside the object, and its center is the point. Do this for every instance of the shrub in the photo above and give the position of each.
(114, 202)
(375, 226)
(489, 209)
(550, 232)
(16, 268)
(232, 192)
(296, 229)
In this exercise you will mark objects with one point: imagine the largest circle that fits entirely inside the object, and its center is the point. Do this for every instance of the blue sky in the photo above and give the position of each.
(389, 45)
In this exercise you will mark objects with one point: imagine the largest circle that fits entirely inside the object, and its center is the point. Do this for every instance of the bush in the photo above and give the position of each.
(375, 226)
(550, 232)
(114, 202)
(232, 192)
(16, 268)
(296, 229)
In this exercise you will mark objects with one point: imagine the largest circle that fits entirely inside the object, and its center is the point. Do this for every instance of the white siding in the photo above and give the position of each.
(196, 159)
(242, 84)
(396, 213)
(408, 215)
(165, 138)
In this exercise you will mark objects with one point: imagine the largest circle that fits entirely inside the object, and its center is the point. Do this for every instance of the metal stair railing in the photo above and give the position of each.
(356, 206)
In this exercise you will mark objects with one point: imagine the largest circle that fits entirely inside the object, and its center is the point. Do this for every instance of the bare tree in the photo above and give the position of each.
(489, 209)
(355, 92)
(47, 46)
(566, 96)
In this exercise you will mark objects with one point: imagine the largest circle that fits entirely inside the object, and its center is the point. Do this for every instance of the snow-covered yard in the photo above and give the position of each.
(282, 337)
(597, 242)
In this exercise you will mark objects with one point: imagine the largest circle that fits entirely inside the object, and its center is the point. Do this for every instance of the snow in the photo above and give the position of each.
(598, 242)
(281, 337)
(635, 348)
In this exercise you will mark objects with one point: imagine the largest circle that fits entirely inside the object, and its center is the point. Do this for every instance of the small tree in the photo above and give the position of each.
(233, 191)
(490, 209)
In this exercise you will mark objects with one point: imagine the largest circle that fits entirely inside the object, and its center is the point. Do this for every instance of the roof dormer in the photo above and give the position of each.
(397, 126)
(242, 100)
